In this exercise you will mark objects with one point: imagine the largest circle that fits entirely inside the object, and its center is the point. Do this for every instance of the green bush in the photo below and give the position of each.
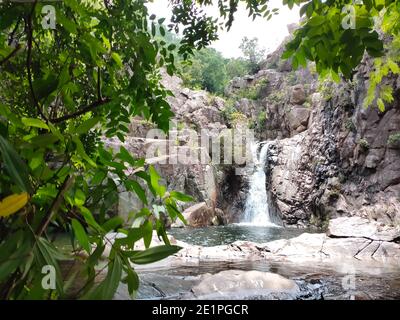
(394, 140)
(349, 125)
(363, 143)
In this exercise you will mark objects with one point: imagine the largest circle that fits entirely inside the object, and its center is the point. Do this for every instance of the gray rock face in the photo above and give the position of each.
(330, 137)
(236, 284)
(291, 183)
(339, 139)
(362, 228)
(298, 118)
(298, 96)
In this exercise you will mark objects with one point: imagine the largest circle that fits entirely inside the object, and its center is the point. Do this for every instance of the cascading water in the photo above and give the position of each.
(257, 207)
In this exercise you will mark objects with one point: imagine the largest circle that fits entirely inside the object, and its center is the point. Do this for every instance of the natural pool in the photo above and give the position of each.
(214, 236)
(316, 280)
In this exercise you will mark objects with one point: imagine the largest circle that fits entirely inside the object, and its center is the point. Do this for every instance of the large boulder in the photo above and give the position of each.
(199, 215)
(298, 95)
(298, 118)
(239, 283)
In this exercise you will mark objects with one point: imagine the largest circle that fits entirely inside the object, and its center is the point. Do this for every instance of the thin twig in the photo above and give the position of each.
(69, 180)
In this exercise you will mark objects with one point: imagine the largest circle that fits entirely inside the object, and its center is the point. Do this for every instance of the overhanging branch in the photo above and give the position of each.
(12, 53)
(84, 110)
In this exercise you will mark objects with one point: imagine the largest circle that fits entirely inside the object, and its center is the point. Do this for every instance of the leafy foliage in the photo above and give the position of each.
(200, 72)
(338, 50)
(61, 91)
(253, 54)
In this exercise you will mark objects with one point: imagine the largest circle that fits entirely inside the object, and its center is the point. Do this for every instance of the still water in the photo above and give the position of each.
(214, 236)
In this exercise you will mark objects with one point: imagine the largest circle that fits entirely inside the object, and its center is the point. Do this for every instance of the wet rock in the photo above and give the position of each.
(244, 284)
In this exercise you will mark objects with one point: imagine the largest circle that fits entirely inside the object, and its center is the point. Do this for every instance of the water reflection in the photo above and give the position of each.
(214, 236)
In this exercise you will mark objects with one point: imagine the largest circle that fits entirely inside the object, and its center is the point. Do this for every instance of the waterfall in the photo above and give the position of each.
(257, 207)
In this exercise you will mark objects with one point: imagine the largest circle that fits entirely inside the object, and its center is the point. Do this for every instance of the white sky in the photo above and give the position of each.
(270, 33)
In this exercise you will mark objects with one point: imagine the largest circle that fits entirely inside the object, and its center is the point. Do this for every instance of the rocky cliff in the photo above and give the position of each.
(331, 156)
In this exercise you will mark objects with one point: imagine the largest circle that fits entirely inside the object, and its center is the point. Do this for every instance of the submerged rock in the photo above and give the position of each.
(236, 284)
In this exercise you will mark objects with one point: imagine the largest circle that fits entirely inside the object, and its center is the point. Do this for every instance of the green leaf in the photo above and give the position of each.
(174, 212)
(154, 254)
(50, 255)
(81, 235)
(147, 233)
(81, 151)
(79, 198)
(107, 289)
(394, 67)
(87, 125)
(135, 186)
(154, 178)
(181, 196)
(126, 156)
(17, 252)
(44, 140)
(33, 122)
(16, 168)
(112, 224)
(171, 47)
(56, 132)
(162, 31)
(132, 280)
(316, 21)
(44, 87)
(87, 215)
(67, 23)
(381, 105)
(116, 57)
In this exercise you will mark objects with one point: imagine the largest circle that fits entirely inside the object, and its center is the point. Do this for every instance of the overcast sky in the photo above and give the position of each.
(270, 33)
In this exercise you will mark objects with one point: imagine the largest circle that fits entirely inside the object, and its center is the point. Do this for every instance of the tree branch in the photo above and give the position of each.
(29, 60)
(99, 84)
(69, 180)
(84, 110)
(12, 53)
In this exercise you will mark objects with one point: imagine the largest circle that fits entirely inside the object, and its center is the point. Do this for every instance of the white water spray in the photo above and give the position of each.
(256, 211)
